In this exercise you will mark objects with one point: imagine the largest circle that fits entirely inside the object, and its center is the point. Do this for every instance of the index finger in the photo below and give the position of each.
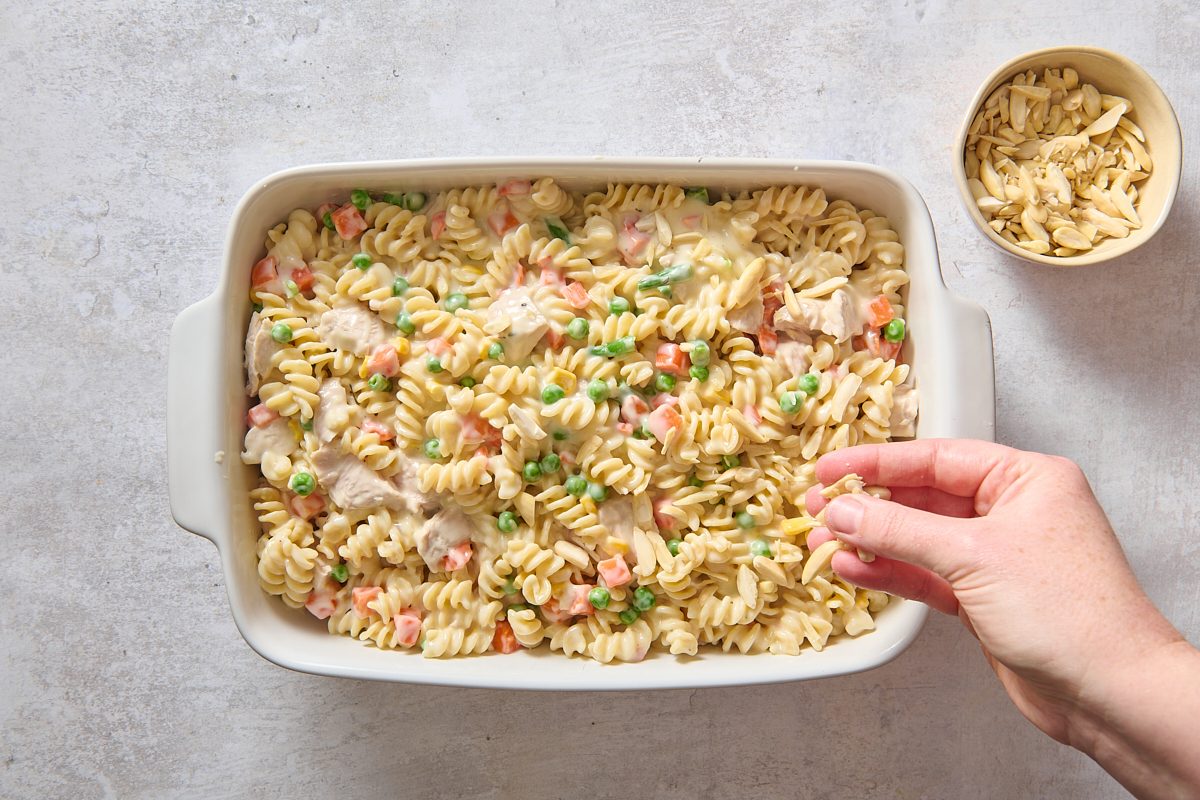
(956, 466)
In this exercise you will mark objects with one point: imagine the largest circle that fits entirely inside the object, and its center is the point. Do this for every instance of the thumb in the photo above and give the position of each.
(899, 532)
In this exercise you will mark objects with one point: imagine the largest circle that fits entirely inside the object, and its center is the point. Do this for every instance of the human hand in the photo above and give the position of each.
(1016, 545)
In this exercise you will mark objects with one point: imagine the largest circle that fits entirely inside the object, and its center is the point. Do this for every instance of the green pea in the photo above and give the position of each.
(414, 201)
(695, 482)
(467, 381)
(360, 199)
(520, 607)
(576, 485)
(699, 373)
(697, 193)
(760, 547)
(394, 199)
(629, 616)
(404, 322)
(281, 332)
(673, 546)
(306, 425)
(643, 599)
(379, 383)
(745, 520)
(618, 305)
(894, 330)
(432, 448)
(552, 393)
(664, 382)
(599, 597)
(532, 471)
(789, 402)
(433, 364)
(257, 307)
(599, 350)
(292, 288)
(641, 432)
(597, 491)
(809, 383)
(551, 464)
(361, 260)
(302, 483)
(730, 462)
(399, 286)
(507, 521)
(560, 435)
(618, 347)
(327, 221)
(701, 353)
(578, 328)
(597, 390)
(495, 351)
(455, 301)
(340, 573)
(510, 587)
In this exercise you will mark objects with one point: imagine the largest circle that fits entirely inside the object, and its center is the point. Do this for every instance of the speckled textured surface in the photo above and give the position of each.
(130, 130)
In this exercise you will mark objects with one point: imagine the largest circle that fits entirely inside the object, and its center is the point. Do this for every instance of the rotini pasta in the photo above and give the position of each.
(514, 415)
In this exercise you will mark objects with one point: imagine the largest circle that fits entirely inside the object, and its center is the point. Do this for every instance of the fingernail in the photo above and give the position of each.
(844, 514)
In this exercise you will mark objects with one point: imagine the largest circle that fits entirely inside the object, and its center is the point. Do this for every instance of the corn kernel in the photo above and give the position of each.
(795, 526)
(402, 346)
(614, 545)
(297, 431)
(563, 378)
(362, 370)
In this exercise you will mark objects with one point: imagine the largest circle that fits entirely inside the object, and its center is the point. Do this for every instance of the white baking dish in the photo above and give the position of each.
(950, 348)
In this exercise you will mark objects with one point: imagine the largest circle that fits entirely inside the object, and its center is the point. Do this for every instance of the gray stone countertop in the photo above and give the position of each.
(129, 131)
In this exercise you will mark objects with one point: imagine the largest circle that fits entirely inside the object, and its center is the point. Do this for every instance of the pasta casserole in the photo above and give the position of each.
(510, 415)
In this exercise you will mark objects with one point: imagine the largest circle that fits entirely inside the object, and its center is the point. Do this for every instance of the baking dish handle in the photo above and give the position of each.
(194, 471)
(975, 395)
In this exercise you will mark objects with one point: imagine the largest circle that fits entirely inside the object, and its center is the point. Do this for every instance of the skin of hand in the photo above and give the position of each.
(1016, 545)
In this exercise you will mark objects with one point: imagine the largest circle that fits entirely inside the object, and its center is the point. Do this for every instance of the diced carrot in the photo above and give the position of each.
(439, 346)
(633, 408)
(264, 271)
(515, 186)
(437, 224)
(519, 274)
(474, 428)
(881, 311)
(614, 571)
(408, 627)
(304, 278)
(631, 242)
(553, 612)
(504, 640)
(751, 412)
(260, 416)
(691, 221)
(858, 342)
(384, 433)
(384, 361)
(576, 295)
(577, 598)
(669, 358)
(549, 276)
(348, 222)
(664, 521)
(568, 458)
(307, 507)
(625, 428)
(458, 557)
(768, 341)
(361, 595)
(321, 603)
(502, 221)
(554, 338)
(662, 420)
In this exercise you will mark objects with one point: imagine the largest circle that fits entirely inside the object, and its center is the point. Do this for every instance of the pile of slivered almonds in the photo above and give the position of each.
(1054, 165)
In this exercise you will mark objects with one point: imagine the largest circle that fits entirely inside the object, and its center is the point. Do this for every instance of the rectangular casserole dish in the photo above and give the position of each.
(950, 348)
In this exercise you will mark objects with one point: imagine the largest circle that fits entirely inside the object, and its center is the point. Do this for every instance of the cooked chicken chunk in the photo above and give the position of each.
(352, 484)
(904, 411)
(352, 328)
(260, 348)
(441, 532)
(514, 314)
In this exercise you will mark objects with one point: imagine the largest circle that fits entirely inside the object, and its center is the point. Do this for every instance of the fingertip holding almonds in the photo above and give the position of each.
(1053, 164)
